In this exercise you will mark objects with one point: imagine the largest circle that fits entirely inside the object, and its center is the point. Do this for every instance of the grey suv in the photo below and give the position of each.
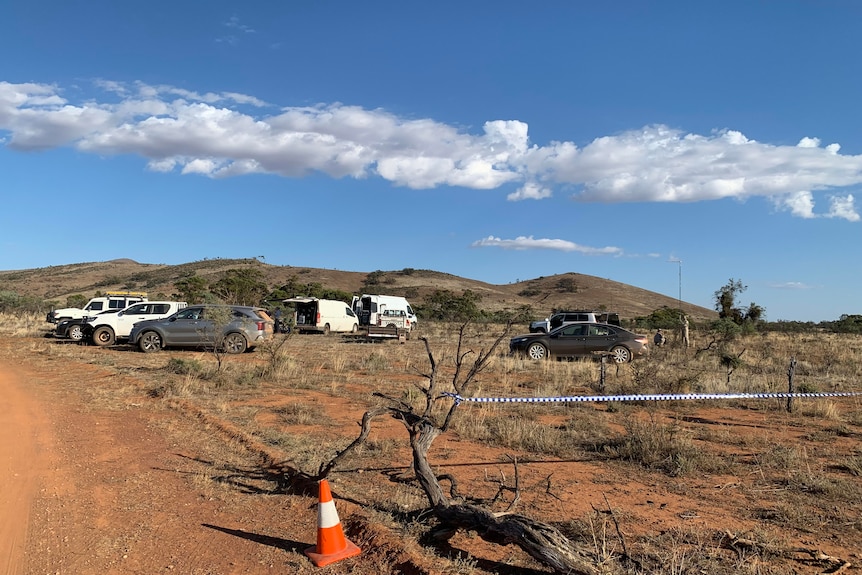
(233, 329)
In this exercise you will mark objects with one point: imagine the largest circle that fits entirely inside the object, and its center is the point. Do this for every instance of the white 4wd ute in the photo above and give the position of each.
(565, 317)
(111, 300)
(106, 329)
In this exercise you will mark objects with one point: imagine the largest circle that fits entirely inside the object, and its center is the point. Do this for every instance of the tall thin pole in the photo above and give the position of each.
(679, 297)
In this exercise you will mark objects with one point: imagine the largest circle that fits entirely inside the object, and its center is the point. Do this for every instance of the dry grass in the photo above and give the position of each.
(795, 483)
(22, 325)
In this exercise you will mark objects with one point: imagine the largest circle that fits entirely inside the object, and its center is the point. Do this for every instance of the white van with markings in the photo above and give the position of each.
(324, 316)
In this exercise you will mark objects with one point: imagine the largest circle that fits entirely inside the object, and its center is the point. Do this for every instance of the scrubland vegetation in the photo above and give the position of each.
(786, 476)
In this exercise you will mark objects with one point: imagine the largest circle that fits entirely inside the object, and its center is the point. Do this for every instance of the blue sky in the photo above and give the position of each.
(499, 141)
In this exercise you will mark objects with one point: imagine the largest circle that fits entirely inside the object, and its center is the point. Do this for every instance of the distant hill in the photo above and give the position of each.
(563, 291)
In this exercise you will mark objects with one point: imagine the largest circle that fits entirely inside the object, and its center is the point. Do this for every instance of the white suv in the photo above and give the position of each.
(109, 301)
(566, 317)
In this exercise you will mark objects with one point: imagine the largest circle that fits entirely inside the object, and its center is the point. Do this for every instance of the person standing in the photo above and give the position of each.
(685, 340)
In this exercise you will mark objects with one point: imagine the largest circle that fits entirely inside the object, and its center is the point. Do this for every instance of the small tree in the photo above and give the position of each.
(725, 304)
(725, 300)
(444, 305)
(373, 279)
(664, 318)
(191, 289)
(241, 287)
(755, 313)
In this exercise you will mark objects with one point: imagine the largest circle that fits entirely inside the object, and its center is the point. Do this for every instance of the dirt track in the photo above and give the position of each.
(23, 462)
(102, 492)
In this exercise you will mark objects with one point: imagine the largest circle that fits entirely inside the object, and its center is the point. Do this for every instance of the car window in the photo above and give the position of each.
(190, 313)
(574, 330)
(160, 308)
(600, 330)
(95, 306)
(140, 308)
(349, 312)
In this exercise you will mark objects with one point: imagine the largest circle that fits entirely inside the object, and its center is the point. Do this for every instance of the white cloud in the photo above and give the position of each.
(800, 204)
(234, 22)
(791, 285)
(212, 134)
(843, 207)
(530, 191)
(530, 243)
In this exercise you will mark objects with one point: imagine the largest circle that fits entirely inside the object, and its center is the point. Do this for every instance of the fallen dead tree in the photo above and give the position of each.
(541, 541)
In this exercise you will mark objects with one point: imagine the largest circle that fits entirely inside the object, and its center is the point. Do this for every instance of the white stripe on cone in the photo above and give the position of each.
(327, 516)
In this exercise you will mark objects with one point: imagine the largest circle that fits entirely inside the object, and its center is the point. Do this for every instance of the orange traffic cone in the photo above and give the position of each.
(332, 545)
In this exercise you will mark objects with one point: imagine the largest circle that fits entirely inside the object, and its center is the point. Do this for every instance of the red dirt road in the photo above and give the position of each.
(91, 491)
(24, 441)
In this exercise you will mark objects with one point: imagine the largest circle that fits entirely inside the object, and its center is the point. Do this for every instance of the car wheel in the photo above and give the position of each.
(326, 329)
(150, 342)
(104, 336)
(75, 333)
(354, 329)
(621, 354)
(235, 343)
(537, 351)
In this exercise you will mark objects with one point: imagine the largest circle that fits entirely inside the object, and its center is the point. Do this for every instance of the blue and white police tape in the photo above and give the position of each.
(647, 397)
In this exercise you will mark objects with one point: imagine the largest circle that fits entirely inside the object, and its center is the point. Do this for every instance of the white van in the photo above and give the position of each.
(375, 309)
(323, 315)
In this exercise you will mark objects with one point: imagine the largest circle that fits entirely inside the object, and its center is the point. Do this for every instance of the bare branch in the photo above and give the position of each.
(365, 429)
(401, 404)
(616, 525)
(431, 391)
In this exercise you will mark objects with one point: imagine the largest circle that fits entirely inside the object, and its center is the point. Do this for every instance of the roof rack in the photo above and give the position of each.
(126, 293)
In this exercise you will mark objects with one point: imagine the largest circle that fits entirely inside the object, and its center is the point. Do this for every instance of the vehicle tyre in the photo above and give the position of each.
(103, 336)
(537, 351)
(75, 333)
(235, 343)
(391, 325)
(326, 329)
(621, 354)
(150, 342)
(354, 329)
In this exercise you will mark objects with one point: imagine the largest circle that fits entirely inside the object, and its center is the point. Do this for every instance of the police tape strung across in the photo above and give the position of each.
(647, 397)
